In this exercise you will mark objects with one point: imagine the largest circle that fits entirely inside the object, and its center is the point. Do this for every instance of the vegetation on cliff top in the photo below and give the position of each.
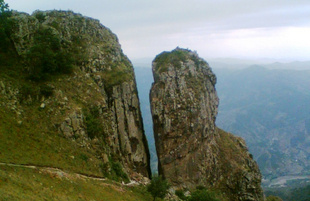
(174, 58)
(47, 51)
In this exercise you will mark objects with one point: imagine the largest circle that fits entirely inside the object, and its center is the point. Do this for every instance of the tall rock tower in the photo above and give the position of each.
(98, 101)
(191, 150)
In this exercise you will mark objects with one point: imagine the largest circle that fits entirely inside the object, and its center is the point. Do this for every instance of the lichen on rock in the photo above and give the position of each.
(191, 150)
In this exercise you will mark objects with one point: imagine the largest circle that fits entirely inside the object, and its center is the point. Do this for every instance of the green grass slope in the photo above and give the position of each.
(36, 97)
(17, 183)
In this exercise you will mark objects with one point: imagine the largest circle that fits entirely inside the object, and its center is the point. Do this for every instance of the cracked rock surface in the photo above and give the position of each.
(191, 150)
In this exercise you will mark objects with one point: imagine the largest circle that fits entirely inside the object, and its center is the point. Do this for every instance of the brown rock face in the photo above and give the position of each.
(102, 86)
(191, 150)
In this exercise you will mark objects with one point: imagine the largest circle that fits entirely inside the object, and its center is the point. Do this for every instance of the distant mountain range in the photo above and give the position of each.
(233, 63)
(267, 63)
(269, 108)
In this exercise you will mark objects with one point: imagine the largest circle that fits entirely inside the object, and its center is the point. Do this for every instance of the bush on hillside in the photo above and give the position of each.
(202, 194)
(114, 171)
(180, 194)
(47, 57)
(93, 122)
(158, 187)
(5, 24)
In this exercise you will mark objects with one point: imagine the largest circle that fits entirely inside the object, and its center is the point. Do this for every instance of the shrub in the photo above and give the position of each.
(105, 169)
(114, 170)
(180, 194)
(4, 40)
(158, 187)
(34, 90)
(46, 91)
(93, 123)
(201, 187)
(83, 157)
(203, 195)
(40, 16)
(28, 89)
(5, 24)
(47, 57)
(118, 171)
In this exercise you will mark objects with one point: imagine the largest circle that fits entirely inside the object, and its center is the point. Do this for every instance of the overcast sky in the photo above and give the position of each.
(249, 29)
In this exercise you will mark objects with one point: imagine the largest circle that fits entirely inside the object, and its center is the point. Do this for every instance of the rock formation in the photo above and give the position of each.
(102, 89)
(191, 150)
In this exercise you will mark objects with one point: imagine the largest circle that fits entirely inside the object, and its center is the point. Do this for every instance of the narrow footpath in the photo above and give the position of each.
(61, 173)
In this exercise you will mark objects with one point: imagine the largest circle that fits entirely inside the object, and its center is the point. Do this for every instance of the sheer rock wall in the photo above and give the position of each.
(191, 150)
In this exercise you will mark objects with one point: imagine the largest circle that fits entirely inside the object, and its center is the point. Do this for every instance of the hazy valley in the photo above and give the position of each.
(80, 122)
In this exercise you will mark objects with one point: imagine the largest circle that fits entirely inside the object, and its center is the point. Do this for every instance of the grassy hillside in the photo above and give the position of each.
(18, 183)
(27, 132)
(34, 142)
(57, 113)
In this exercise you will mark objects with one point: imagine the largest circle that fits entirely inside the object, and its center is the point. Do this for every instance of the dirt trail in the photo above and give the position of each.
(57, 172)
(53, 170)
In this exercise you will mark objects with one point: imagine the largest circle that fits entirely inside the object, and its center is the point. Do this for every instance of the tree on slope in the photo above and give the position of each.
(4, 23)
(3, 6)
(158, 187)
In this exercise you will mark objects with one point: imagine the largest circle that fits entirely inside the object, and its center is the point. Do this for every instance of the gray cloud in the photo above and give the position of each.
(149, 24)
(123, 14)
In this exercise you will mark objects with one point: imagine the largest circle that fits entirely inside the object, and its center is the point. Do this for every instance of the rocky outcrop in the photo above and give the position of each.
(102, 88)
(191, 150)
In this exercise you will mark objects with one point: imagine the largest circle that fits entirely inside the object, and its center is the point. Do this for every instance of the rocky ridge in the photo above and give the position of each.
(101, 88)
(191, 150)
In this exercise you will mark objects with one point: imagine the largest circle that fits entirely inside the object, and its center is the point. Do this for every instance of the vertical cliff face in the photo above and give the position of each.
(191, 150)
(184, 106)
(100, 92)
